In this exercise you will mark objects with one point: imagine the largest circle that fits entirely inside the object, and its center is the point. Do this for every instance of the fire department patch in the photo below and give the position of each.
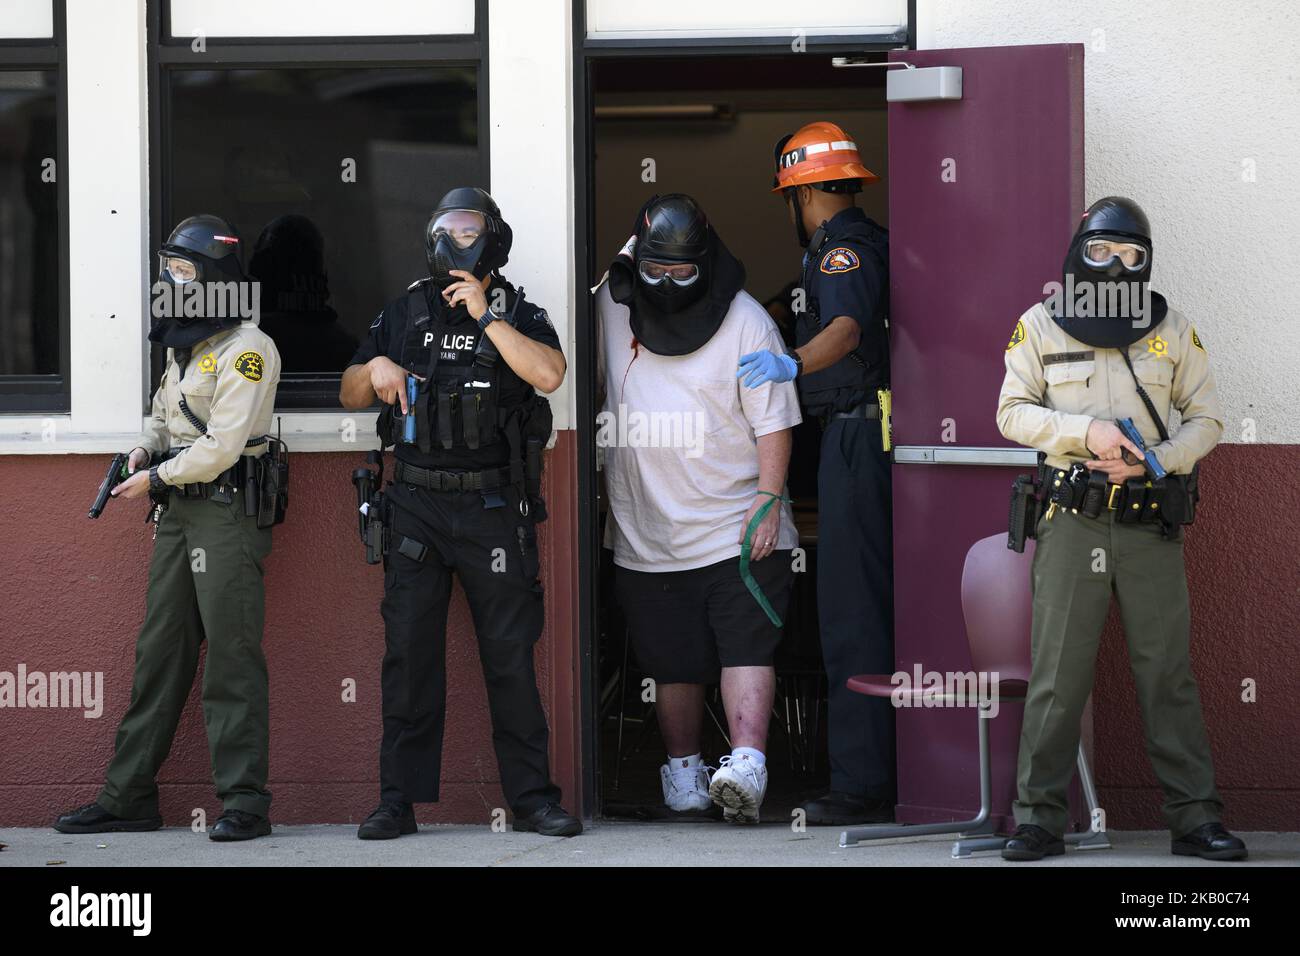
(1017, 336)
(249, 365)
(840, 259)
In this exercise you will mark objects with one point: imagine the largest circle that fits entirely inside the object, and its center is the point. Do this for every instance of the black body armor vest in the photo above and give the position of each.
(854, 378)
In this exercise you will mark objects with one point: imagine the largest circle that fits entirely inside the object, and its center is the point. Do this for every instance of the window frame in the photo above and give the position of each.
(168, 54)
(52, 393)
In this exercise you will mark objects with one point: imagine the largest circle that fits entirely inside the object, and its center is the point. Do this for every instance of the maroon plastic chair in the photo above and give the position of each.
(997, 605)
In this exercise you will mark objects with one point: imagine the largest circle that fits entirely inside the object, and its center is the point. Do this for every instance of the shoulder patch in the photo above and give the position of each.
(1017, 336)
(250, 365)
(840, 259)
(541, 314)
(378, 319)
(1196, 340)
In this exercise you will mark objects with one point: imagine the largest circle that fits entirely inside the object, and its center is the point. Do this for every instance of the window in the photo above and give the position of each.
(33, 294)
(326, 156)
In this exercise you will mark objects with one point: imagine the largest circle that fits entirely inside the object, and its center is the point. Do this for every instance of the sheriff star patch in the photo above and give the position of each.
(208, 364)
(1017, 336)
(1158, 346)
(1196, 340)
(840, 259)
(249, 365)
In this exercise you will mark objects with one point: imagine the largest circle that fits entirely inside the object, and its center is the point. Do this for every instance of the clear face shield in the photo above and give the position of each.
(1100, 251)
(462, 226)
(681, 274)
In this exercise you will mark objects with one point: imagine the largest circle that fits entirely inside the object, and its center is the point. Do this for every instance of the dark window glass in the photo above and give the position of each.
(29, 224)
(328, 176)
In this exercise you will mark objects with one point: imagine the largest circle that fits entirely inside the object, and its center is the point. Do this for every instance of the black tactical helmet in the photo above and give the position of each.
(211, 244)
(489, 253)
(674, 229)
(1115, 215)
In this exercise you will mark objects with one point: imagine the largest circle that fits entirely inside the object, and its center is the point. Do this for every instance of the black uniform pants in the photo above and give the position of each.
(855, 602)
(494, 551)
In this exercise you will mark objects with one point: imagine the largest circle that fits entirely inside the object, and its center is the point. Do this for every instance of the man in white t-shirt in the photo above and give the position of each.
(695, 464)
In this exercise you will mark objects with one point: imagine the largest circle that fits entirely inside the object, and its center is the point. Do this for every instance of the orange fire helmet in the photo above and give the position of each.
(818, 153)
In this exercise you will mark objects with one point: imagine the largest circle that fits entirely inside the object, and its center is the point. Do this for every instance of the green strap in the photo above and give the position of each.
(747, 546)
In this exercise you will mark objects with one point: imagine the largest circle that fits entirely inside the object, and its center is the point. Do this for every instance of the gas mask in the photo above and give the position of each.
(466, 233)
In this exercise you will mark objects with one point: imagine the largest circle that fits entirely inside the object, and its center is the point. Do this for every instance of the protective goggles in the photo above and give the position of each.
(177, 269)
(681, 274)
(462, 226)
(1102, 250)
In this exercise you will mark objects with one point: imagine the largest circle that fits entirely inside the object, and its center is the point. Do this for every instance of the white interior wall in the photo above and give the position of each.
(1186, 99)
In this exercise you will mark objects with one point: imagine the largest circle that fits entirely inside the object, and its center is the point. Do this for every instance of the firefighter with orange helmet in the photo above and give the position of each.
(841, 365)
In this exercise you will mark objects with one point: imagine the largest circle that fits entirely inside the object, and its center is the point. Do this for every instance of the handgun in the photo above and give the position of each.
(117, 473)
(408, 423)
(1153, 467)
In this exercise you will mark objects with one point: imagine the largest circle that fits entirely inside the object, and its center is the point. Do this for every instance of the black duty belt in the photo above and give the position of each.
(867, 410)
(1090, 493)
(236, 476)
(489, 479)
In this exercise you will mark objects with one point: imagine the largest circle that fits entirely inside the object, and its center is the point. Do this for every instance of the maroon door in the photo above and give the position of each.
(984, 192)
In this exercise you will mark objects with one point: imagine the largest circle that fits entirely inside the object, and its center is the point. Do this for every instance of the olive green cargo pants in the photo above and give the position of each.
(205, 582)
(1078, 564)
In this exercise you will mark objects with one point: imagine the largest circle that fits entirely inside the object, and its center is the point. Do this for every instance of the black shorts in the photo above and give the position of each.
(686, 625)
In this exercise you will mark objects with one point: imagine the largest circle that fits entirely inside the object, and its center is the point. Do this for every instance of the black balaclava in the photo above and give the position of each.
(668, 319)
(212, 245)
(289, 262)
(487, 254)
(1124, 220)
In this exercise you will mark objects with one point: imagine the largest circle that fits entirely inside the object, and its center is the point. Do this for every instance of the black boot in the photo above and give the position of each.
(550, 820)
(1031, 842)
(1210, 841)
(840, 809)
(390, 820)
(235, 825)
(92, 818)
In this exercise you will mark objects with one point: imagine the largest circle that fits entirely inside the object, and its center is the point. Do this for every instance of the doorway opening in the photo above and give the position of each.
(705, 125)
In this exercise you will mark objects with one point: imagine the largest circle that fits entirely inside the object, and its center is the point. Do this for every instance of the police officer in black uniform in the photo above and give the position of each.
(456, 360)
(841, 363)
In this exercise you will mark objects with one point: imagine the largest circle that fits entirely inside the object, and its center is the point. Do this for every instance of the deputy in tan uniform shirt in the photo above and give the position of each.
(1067, 383)
(205, 577)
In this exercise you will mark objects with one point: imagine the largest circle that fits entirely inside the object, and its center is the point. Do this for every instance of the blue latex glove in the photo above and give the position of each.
(759, 368)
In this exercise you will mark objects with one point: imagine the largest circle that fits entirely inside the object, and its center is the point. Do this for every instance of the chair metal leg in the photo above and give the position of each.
(979, 825)
(1089, 839)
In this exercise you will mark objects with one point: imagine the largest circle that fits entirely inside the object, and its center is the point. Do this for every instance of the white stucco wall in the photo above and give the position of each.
(1183, 98)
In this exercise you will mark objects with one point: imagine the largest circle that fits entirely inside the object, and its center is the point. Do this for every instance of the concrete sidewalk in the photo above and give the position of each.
(604, 843)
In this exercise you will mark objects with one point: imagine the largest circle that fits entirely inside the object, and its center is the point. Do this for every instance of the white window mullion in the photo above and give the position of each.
(108, 206)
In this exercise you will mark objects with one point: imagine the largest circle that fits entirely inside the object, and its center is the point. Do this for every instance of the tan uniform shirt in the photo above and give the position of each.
(1056, 385)
(230, 385)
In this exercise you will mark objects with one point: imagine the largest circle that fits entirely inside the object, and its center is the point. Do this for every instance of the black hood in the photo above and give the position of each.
(1108, 307)
(666, 319)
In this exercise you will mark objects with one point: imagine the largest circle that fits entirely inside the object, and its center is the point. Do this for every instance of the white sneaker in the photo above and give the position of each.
(685, 788)
(738, 786)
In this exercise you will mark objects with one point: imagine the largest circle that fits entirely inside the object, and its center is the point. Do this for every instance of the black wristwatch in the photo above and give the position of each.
(798, 362)
(155, 482)
(488, 318)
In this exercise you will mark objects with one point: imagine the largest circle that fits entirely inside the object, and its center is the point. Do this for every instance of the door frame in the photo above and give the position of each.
(585, 53)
